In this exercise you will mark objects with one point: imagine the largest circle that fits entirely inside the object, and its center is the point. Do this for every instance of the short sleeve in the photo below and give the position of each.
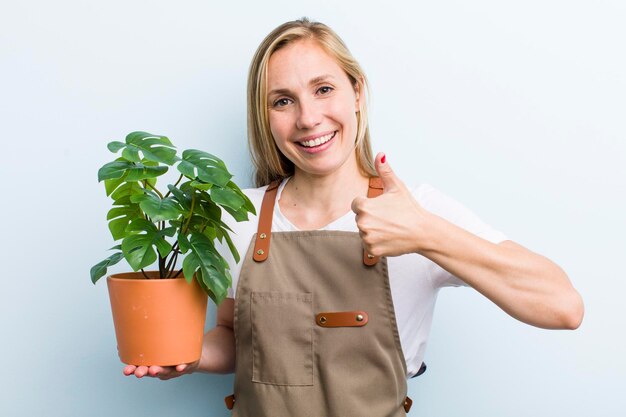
(446, 207)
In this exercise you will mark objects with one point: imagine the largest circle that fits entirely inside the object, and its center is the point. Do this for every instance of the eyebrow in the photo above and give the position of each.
(313, 81)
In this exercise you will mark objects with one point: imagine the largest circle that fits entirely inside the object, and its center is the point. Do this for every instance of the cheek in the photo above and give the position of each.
(277, 126)
(345, 114)
(280, 121)
(345, 108)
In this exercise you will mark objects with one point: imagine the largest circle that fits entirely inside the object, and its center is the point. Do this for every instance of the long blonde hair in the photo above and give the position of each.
(269, 162)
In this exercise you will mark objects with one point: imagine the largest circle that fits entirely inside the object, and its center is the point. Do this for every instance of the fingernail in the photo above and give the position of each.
(383, 159)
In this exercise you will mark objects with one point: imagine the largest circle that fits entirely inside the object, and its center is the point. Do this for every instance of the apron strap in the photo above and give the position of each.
(375, 189)
(262, 241)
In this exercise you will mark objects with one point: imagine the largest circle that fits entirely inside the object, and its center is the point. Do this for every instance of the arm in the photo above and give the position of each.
(218, 351)
(524, 284)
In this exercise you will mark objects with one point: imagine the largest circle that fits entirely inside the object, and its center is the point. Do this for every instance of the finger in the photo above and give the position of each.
(141, 371)
(156, 370)
(357, 204)
(386, 174)
(181, 367)
(129, 370)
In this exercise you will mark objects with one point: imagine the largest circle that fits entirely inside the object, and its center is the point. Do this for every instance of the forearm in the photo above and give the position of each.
(526, 285)
(218, 351)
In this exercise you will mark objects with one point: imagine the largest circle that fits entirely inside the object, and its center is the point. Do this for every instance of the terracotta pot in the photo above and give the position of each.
(157, 321)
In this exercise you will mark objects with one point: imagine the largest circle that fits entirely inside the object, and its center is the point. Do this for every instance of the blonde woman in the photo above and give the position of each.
(332, 304)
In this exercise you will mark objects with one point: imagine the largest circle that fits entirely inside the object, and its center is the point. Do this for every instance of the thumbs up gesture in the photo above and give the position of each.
(393, 223)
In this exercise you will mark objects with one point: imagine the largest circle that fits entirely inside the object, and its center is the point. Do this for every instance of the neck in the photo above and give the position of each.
(324, 195)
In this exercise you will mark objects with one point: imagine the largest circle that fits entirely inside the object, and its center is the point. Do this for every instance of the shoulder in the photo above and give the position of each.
(431, 198)
(441, 204)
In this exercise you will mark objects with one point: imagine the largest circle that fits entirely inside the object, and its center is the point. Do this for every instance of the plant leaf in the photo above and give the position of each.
(247, 203)
(215, 276)
(112, 184)
(231, 246)
(158, 209)
(183, 199)
(209, 232)
(207, 210)
(137, 247)
(112, 170)
(141, 171)
(120, 217)
(153, 147)
(125, 190)
(183, 243)
(206, 167)
(238, 215)
(204, 257)
(201, 185)
(100, 269)
(134, 171)
(227, 197)
(115, 146)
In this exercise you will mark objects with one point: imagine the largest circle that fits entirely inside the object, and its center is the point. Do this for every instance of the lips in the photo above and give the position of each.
(320, 140)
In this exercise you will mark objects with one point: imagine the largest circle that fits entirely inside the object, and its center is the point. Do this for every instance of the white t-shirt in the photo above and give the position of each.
(414, 279)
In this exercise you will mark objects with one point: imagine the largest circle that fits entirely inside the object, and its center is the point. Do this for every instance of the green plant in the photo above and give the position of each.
(189, 213)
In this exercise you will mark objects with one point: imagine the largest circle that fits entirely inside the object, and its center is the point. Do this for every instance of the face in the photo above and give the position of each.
(312, 109)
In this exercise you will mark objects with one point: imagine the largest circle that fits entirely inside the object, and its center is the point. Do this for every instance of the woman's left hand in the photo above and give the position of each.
(393, 223)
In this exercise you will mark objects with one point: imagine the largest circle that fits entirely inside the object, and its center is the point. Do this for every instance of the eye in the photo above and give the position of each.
(324, 90)
(281, 102)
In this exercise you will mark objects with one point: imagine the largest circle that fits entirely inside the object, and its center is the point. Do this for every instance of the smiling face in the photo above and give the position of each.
(312, 109)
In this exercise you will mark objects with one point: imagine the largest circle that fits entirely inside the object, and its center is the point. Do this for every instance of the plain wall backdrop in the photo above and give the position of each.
(516, 109)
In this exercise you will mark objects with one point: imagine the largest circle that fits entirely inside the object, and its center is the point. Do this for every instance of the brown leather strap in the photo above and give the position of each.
(262, 243)
(230, 401)
(342, 319)
(375, 189)
(407, 404)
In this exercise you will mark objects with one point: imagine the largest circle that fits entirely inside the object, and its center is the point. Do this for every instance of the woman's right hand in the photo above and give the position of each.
(161, 372)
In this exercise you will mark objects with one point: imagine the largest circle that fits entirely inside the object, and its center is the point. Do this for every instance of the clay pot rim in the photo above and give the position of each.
(138, 276)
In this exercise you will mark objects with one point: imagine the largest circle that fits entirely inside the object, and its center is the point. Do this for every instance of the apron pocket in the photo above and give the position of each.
(282, 338)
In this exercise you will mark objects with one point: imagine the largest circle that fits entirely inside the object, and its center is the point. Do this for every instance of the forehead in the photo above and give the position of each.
(296, 64)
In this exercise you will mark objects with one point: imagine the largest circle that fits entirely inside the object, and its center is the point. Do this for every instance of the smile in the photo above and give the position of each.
(318, 141)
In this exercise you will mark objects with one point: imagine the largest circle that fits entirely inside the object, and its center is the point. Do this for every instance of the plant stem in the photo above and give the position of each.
(144, 274)
(161, 266)
(193, 203)
(169, 192)
(172, 262)
(175, 259)
(153, 188)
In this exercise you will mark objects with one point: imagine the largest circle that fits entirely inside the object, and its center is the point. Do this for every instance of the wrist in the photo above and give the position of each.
(430, 228)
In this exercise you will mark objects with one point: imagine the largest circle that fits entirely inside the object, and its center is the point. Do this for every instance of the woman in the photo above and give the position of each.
(330, 321)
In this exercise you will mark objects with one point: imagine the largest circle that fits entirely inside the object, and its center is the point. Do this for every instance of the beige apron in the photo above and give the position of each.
(315, 327)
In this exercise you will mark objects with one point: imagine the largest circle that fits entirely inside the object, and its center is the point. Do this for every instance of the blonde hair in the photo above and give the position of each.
(269, 162)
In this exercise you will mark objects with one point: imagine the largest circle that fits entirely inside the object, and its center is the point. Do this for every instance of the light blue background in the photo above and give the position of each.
(516, 109)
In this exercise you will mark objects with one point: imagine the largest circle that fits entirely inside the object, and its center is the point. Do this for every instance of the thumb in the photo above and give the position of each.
(386, 174)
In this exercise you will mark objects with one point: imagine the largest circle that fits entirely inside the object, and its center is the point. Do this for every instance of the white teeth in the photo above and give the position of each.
(318, 141)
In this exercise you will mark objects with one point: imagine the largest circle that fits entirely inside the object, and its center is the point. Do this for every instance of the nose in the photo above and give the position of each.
(309, 115)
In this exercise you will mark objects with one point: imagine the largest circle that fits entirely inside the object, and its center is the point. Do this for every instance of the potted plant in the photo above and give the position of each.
(159, 315)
